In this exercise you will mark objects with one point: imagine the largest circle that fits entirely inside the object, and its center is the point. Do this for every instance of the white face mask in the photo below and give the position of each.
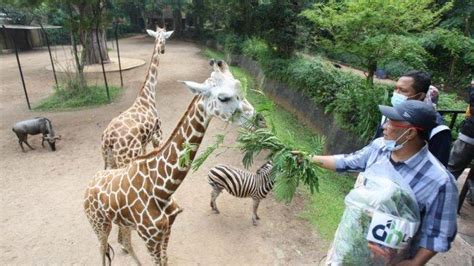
(397, 99)
(391, 145)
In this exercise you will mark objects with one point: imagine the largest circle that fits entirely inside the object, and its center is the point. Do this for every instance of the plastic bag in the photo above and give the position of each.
(382, 212)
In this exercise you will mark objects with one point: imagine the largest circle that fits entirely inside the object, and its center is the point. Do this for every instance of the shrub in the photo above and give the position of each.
(450, 101)
(348, 96)
(231, 42)
(256, 48)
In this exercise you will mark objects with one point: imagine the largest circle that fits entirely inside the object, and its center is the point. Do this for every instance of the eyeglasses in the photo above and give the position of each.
(395, 124)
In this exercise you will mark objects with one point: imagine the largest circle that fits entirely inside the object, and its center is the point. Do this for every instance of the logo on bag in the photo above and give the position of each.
(389, 231)
(389, 234)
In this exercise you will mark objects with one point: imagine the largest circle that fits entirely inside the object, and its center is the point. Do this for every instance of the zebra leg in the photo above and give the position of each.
(214, 194)
(255, 217)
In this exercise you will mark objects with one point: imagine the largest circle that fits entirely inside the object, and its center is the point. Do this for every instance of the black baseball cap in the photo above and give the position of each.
(417, 113)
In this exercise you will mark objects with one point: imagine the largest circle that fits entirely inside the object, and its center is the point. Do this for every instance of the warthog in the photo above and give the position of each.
(35, 126)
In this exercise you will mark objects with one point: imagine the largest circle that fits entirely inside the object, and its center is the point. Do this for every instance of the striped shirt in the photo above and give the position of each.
(434, 188)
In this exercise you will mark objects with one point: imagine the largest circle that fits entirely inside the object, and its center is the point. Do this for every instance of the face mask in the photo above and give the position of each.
(398, 98)
(391, 145)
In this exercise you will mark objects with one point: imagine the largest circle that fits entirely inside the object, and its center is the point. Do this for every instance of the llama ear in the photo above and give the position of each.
(168, 34)
(152, 33)
(196, 88)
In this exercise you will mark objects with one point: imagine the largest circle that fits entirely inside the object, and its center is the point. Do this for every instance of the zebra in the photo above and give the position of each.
(241, 183)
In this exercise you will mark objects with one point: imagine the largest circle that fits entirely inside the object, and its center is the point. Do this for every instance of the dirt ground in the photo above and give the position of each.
(41, 216)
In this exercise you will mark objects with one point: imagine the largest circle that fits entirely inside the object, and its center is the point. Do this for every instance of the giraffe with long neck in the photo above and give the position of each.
(140, 196)
(127, 135)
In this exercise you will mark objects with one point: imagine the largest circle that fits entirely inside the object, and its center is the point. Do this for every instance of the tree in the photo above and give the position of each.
(278, 21)
(460, 17)
(453, 52)
(377, 29)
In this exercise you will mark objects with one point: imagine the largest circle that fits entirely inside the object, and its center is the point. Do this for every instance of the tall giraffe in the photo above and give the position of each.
(127, 135)
(140, 196)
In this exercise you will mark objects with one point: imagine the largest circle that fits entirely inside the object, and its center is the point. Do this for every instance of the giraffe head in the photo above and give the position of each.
(160, 37)
(222, 95)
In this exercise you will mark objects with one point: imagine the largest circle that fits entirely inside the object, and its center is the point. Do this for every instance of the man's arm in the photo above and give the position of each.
(328, 162)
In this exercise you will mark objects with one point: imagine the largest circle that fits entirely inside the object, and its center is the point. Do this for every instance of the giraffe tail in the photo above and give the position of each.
(110, 251)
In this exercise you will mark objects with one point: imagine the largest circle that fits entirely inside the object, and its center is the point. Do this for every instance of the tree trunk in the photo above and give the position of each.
(90, 54)
(177, 21)
(79, 66)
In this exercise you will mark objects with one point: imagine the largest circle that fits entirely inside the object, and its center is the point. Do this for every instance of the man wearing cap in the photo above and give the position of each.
(404, 147)
(415, 86)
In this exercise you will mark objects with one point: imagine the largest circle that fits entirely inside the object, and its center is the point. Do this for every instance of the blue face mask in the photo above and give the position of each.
(398, 98)
(391, 145)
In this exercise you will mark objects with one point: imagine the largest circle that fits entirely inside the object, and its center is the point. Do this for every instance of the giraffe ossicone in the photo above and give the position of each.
(140, 196)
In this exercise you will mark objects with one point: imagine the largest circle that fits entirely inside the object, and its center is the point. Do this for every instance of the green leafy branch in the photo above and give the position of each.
(289, 170)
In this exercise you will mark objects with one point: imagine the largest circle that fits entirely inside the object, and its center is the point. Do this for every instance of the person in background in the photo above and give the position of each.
(414, 85)
(432, 96)
(462, 152)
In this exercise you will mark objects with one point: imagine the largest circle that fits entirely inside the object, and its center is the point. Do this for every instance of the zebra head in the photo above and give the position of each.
(265, 168)
(222, 95)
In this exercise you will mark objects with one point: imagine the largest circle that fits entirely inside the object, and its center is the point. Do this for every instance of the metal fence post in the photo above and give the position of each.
(19, 66)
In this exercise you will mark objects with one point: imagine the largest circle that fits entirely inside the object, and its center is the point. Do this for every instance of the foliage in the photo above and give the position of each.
(63, 98)
(206, 153)
(256, 49)
(376, 30)
(454, 60)
(16, 15)
(355, 108)
(459, 17)
(450, 101)
(277, 25)
(288, 170)
(231, 42)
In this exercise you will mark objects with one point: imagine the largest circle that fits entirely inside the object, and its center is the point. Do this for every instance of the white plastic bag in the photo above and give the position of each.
(382, 212)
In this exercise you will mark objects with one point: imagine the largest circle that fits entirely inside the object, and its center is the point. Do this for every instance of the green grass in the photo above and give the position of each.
(66, 99)
(324, 208)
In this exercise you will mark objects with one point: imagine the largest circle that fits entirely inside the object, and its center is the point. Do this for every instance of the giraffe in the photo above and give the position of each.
(140, 196)
(127, 135)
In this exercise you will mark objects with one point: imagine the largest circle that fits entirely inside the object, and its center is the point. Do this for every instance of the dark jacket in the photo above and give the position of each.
(467, 127)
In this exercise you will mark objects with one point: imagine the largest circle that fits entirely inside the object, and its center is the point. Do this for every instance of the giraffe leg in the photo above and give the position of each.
(214, 194)
(153, 244)
(125, 240)
(102, 230)
(255, 217)
(164, 246)
(166, 236)
(100, 224)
